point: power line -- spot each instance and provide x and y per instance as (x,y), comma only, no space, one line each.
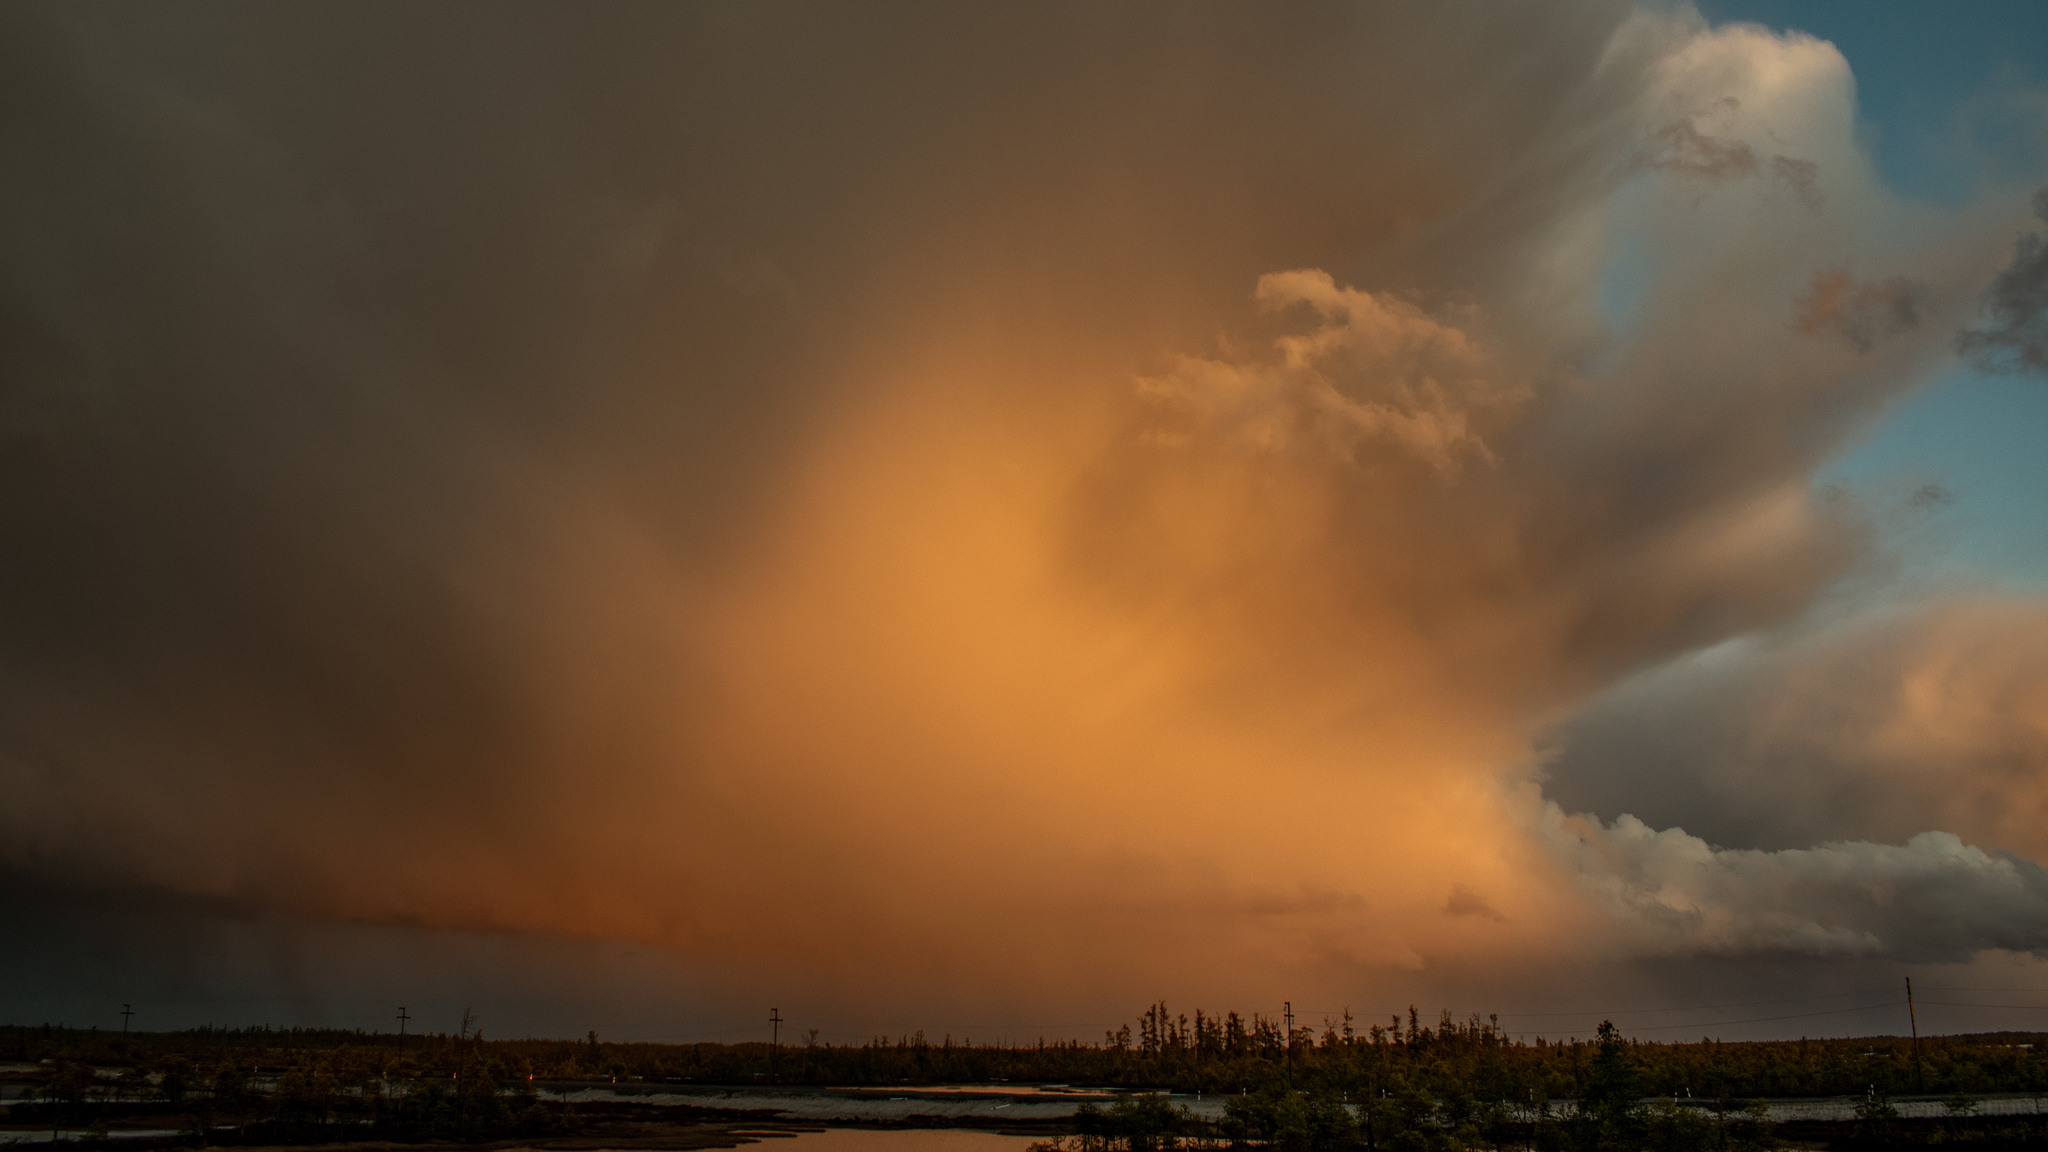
(1610,1012)
(682,1037)
(1694,1007)
(1750,1020)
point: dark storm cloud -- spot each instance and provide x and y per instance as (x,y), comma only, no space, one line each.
(299,308)
(384,387)
(77,953)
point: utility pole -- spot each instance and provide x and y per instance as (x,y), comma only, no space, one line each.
(402,1018)
(774,1038)
(127,1010)
(1287,1037)
(1918,1085)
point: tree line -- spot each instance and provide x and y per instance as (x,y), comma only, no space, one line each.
(1198,1053)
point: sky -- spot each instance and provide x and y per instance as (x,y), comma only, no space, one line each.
(977,520)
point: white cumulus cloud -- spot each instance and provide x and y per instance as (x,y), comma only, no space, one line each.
(1931,899)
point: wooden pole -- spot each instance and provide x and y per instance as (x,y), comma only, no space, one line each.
(1287,1037)
(1919,1085)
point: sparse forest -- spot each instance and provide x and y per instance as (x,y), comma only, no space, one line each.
(1214,1055)
(1402,1085)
